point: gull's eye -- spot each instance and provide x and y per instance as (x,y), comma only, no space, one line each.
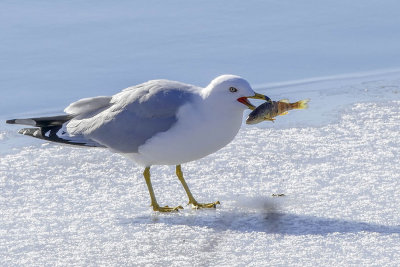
(232,89)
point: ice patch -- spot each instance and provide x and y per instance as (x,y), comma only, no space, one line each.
(331,95)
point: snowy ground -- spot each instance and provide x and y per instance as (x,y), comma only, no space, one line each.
(336,163)
(340,180)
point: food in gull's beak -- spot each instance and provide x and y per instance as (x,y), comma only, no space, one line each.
(269,110)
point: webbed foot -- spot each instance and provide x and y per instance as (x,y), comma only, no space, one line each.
(166,208)
(197,205)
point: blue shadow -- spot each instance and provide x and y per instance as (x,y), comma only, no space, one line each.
(268,222)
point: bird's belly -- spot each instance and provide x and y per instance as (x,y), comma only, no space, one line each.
(188,141)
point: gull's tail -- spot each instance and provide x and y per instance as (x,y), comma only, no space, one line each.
(53,129)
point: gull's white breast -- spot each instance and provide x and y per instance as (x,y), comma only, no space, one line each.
(199,131)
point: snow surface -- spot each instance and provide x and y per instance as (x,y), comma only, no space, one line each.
(62,205)
(336,163)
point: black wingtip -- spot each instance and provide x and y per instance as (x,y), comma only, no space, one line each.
(10,121)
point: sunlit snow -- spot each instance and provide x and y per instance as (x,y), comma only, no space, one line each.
(319,187)
(69,205)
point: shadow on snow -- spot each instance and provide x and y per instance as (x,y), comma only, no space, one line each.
(268,222)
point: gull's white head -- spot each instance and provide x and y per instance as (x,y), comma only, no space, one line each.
(231,90)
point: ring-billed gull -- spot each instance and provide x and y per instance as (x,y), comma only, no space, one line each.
(159,122)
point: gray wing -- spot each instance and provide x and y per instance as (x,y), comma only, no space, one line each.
(135,115)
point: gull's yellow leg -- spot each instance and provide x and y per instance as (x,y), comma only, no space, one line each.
(154,203)
(192,201)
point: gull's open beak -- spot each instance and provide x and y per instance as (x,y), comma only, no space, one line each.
(246,102)
(260,96)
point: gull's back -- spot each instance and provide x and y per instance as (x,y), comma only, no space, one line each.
(121,122)
(134,115)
